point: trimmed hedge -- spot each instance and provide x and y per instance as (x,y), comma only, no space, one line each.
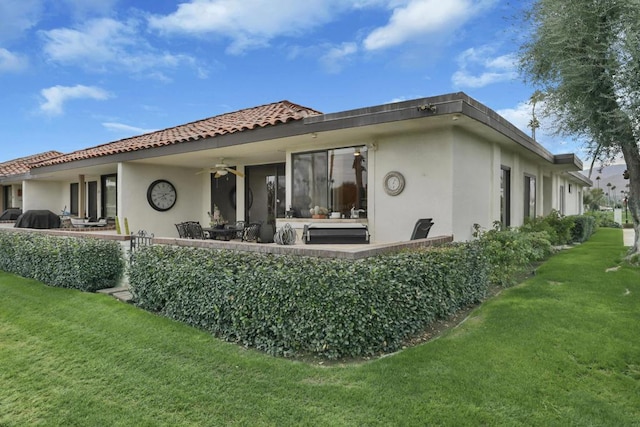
(584,227)
(287,306)
(67,262)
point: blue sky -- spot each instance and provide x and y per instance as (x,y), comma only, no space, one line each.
(79,73)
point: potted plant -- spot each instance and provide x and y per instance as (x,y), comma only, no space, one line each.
(319,212)
(216,218)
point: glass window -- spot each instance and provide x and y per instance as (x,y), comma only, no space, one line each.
(529,196)
(562,200)
(505,197)
(73,198)
(7,195)
(109,196)
(333,179)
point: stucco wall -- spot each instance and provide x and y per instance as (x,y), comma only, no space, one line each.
(192,203)
(476,185)
(42,195)
(425,161)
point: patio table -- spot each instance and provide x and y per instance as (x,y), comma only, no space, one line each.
(222,233)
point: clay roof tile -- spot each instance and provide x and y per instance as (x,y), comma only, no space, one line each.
(237,121)
(21,165)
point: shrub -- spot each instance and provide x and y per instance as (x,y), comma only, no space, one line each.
(557,226)
(511,251)
(584,227)
(287,305)
(603,219)
(68,262)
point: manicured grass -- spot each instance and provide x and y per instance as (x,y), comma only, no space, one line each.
(562,348)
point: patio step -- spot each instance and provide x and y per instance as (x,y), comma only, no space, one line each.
(121,293)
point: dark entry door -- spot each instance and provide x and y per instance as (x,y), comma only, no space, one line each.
(6,196)
(92,190)
(266,184)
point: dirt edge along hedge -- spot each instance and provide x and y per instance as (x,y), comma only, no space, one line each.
(68,262)
(293,306)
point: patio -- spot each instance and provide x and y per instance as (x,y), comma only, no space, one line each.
(346,251)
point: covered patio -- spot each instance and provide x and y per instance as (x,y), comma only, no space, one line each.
(345,251)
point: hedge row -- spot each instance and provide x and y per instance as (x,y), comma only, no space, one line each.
(288,306)
(584,227)
(67,262)
(512,250)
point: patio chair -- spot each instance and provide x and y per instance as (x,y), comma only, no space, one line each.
(195,231)
(239,225)
(421,229)
(251,232)
(183,233)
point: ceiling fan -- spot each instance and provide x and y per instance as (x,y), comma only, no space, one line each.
(221,169)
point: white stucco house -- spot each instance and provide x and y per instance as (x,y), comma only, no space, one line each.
(446,157)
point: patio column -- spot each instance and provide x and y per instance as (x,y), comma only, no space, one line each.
(82,198)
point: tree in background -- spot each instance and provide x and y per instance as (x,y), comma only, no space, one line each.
(593,198)
(584,55)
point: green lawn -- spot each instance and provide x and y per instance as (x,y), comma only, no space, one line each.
(562,349)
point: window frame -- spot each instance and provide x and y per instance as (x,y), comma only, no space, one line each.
(530,183)
(103,194)
(327,200)
(505,196)
(74,198)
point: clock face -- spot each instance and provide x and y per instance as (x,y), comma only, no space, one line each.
(161,195)
(393,183)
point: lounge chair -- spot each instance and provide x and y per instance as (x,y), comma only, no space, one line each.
(421,229)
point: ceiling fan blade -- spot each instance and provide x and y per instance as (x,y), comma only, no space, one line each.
(200,172)
(235,172)
(217,175)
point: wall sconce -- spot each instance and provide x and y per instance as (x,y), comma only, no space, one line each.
(427,107)
(455,117)
(314,135)
(357,152)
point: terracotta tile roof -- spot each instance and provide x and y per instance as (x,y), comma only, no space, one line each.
(228,123)
(21,166)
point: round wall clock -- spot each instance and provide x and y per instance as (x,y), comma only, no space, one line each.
(393,183)
(161,195)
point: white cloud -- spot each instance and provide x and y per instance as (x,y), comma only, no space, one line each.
(336,57)
(18,16)
(478,67)
(100,40)
(419,19)
(251,23)
(56,96)
(11,62)
(520,116)
(122,128)
(103,43)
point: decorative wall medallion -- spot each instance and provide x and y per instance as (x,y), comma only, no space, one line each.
(393,183)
